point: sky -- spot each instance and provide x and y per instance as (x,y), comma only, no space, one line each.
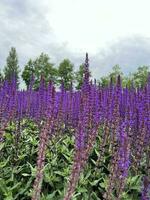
(111,31)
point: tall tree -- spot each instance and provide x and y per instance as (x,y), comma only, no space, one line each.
(104,81)
(11,70)
(28,72)
(116,71)
(140,76)
(41,66)
(79,76)
(127,80)
(65,73)
(1,76)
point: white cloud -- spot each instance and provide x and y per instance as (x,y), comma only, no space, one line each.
(93,24)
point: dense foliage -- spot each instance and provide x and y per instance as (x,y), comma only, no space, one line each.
(93,143)
(65,71)
(40,66)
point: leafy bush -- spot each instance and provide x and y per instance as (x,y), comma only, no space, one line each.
(18,168)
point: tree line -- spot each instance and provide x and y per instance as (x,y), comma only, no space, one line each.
(64,72)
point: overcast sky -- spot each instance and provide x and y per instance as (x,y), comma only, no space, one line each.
(111,31)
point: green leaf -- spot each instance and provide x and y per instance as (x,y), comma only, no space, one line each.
(15,186)
(3,164)
(95,182)
(134,182)
(88,174)
(82,190)
(77,194)
(25,174)
(102,185)
(94,196)
(93,161)
(1,146)
(33,169)
(50,196)
(97,153)
(3,187)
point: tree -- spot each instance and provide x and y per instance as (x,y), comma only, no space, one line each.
(138,79)
(41,66)
(65,73)
(1,77)
(140,76)
(79,76)
(104,81)
(11,70)
(116,71)
(28,72)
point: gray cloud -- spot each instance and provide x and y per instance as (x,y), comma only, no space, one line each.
(129,53)
(23,24)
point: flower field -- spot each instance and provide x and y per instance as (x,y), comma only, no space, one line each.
(90,144)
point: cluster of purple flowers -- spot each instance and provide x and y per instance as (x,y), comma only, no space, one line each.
(124,113)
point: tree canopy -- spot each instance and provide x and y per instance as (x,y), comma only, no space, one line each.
(65,73)
(41,66)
